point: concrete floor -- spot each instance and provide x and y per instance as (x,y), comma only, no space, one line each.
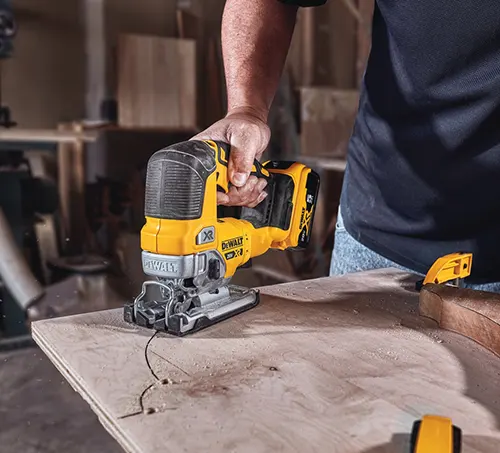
(40,412)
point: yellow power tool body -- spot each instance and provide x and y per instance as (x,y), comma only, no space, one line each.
(192,253)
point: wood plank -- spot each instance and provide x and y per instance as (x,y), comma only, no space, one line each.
(151,17)
(45,136)
(474,314)
(336,364)
(327,119)
(157,82)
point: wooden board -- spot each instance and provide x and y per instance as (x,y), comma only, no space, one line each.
(46,136)
(343,365)
(157,82)
(327,119)
(151,17)
(474,314)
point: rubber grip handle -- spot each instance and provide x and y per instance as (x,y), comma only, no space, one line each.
(179,182)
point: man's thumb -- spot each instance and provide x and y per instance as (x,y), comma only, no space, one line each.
(240,166)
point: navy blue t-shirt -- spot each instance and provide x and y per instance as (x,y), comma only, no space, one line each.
(423,173)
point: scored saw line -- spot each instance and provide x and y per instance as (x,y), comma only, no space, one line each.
(150,410)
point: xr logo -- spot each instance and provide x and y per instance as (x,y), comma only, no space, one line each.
(208,236)
(307,221)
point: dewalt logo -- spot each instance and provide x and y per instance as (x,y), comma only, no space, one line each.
(161,266)
(232,243)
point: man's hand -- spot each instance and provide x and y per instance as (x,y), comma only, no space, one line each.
(248,134)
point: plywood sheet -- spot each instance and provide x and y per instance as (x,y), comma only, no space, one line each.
(157,82)
(337,364)
(327,119)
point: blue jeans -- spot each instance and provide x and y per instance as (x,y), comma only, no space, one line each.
(351,256)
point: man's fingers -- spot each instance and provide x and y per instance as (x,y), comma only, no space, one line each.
(258,200)
(242,196)
(222,198)
(245,192)
(261,185)
(258,194)
(250,195)
(240,165)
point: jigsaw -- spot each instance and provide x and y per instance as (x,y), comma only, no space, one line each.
(190,253)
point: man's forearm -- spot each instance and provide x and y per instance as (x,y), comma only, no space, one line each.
(256,37)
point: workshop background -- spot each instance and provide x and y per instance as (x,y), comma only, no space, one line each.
(90,89)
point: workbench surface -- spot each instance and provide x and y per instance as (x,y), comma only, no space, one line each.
(338,365)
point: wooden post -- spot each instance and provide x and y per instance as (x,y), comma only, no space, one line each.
(71,182)
(308,53)
(95,45)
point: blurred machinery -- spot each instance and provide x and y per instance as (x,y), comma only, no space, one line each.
(8,30)
(23,199)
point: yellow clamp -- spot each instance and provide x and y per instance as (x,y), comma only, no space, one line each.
(454,266)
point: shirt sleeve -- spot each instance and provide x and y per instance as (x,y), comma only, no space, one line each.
(304,3)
